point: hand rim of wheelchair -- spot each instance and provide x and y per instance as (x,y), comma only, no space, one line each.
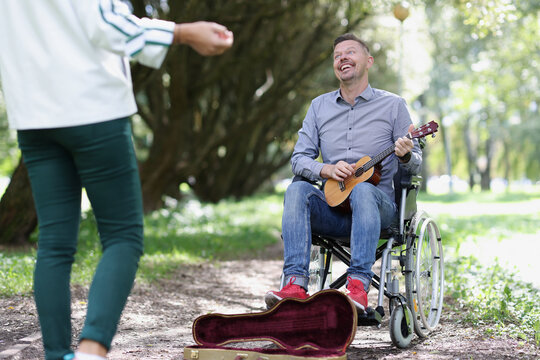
(425,292)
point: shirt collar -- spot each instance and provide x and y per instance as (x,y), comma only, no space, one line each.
(367,94)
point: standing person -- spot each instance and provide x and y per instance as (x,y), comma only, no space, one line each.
(66,79)
(343,126)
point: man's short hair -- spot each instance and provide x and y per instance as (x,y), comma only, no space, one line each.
(350,36)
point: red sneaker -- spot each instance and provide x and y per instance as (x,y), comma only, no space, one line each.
(289,291)
(357,294)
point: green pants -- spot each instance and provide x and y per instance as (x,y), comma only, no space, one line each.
(100,158)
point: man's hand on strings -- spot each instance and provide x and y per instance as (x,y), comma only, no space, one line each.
(404,145)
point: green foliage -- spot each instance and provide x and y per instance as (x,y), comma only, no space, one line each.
(17,272)
(487,16)
(484,85)
(236,116)
(494,227)
(195,231)
(175,235)
(480,197)
(493,297)
(88,251)
(489,296)
(463,217)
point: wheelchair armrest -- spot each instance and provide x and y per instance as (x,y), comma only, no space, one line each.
(408,180)
(416,181)
(312,182)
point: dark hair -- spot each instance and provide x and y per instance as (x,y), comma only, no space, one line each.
(350,36)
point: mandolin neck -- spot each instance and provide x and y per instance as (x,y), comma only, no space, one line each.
(377,159)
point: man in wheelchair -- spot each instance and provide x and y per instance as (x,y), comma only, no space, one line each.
(344,126)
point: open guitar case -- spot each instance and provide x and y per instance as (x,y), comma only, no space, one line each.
(317,328)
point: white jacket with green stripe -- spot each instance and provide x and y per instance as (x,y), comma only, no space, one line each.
(66,62)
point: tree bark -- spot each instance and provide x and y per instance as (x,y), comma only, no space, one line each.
(506,162)
(222,124)
(18,217)
(485,174)
(471,154)
(225,124)
(447,150)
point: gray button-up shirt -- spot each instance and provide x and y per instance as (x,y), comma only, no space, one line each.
(341,131)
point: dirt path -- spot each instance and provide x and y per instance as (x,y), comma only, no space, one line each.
(157,320)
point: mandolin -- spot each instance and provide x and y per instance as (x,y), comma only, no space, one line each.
(368,169)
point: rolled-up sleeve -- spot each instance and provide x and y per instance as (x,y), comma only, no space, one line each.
(306,150)
(109,24)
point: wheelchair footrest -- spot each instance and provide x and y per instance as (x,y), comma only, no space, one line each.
(370,318)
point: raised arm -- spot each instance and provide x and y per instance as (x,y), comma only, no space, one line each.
(110,25)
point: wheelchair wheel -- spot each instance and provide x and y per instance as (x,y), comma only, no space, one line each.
(316,270)
(401,326)
(424,275)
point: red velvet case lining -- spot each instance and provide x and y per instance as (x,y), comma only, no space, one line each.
(325,322)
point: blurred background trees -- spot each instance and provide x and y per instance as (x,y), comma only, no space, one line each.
(225,126)
(484,85)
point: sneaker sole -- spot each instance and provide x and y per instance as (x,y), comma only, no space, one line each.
(271,300)
(359,307)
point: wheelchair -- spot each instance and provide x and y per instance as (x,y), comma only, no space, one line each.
(411,249)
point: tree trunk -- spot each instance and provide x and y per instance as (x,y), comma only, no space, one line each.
(485,174)
(225,124)
(506,162)
(471,154)
(17,213)
(448,156)
(447,150)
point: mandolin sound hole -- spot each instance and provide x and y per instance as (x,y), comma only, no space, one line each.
(342,185)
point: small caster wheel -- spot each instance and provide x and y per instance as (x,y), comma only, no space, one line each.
(401,326)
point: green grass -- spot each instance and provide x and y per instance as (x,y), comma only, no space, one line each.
(192,232)
(490,295)
(177,234)
(458,230)
(484,197)
(17,269)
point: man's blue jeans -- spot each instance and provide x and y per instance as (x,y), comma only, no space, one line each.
(306,210)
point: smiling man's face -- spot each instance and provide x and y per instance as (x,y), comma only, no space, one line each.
(351,61)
